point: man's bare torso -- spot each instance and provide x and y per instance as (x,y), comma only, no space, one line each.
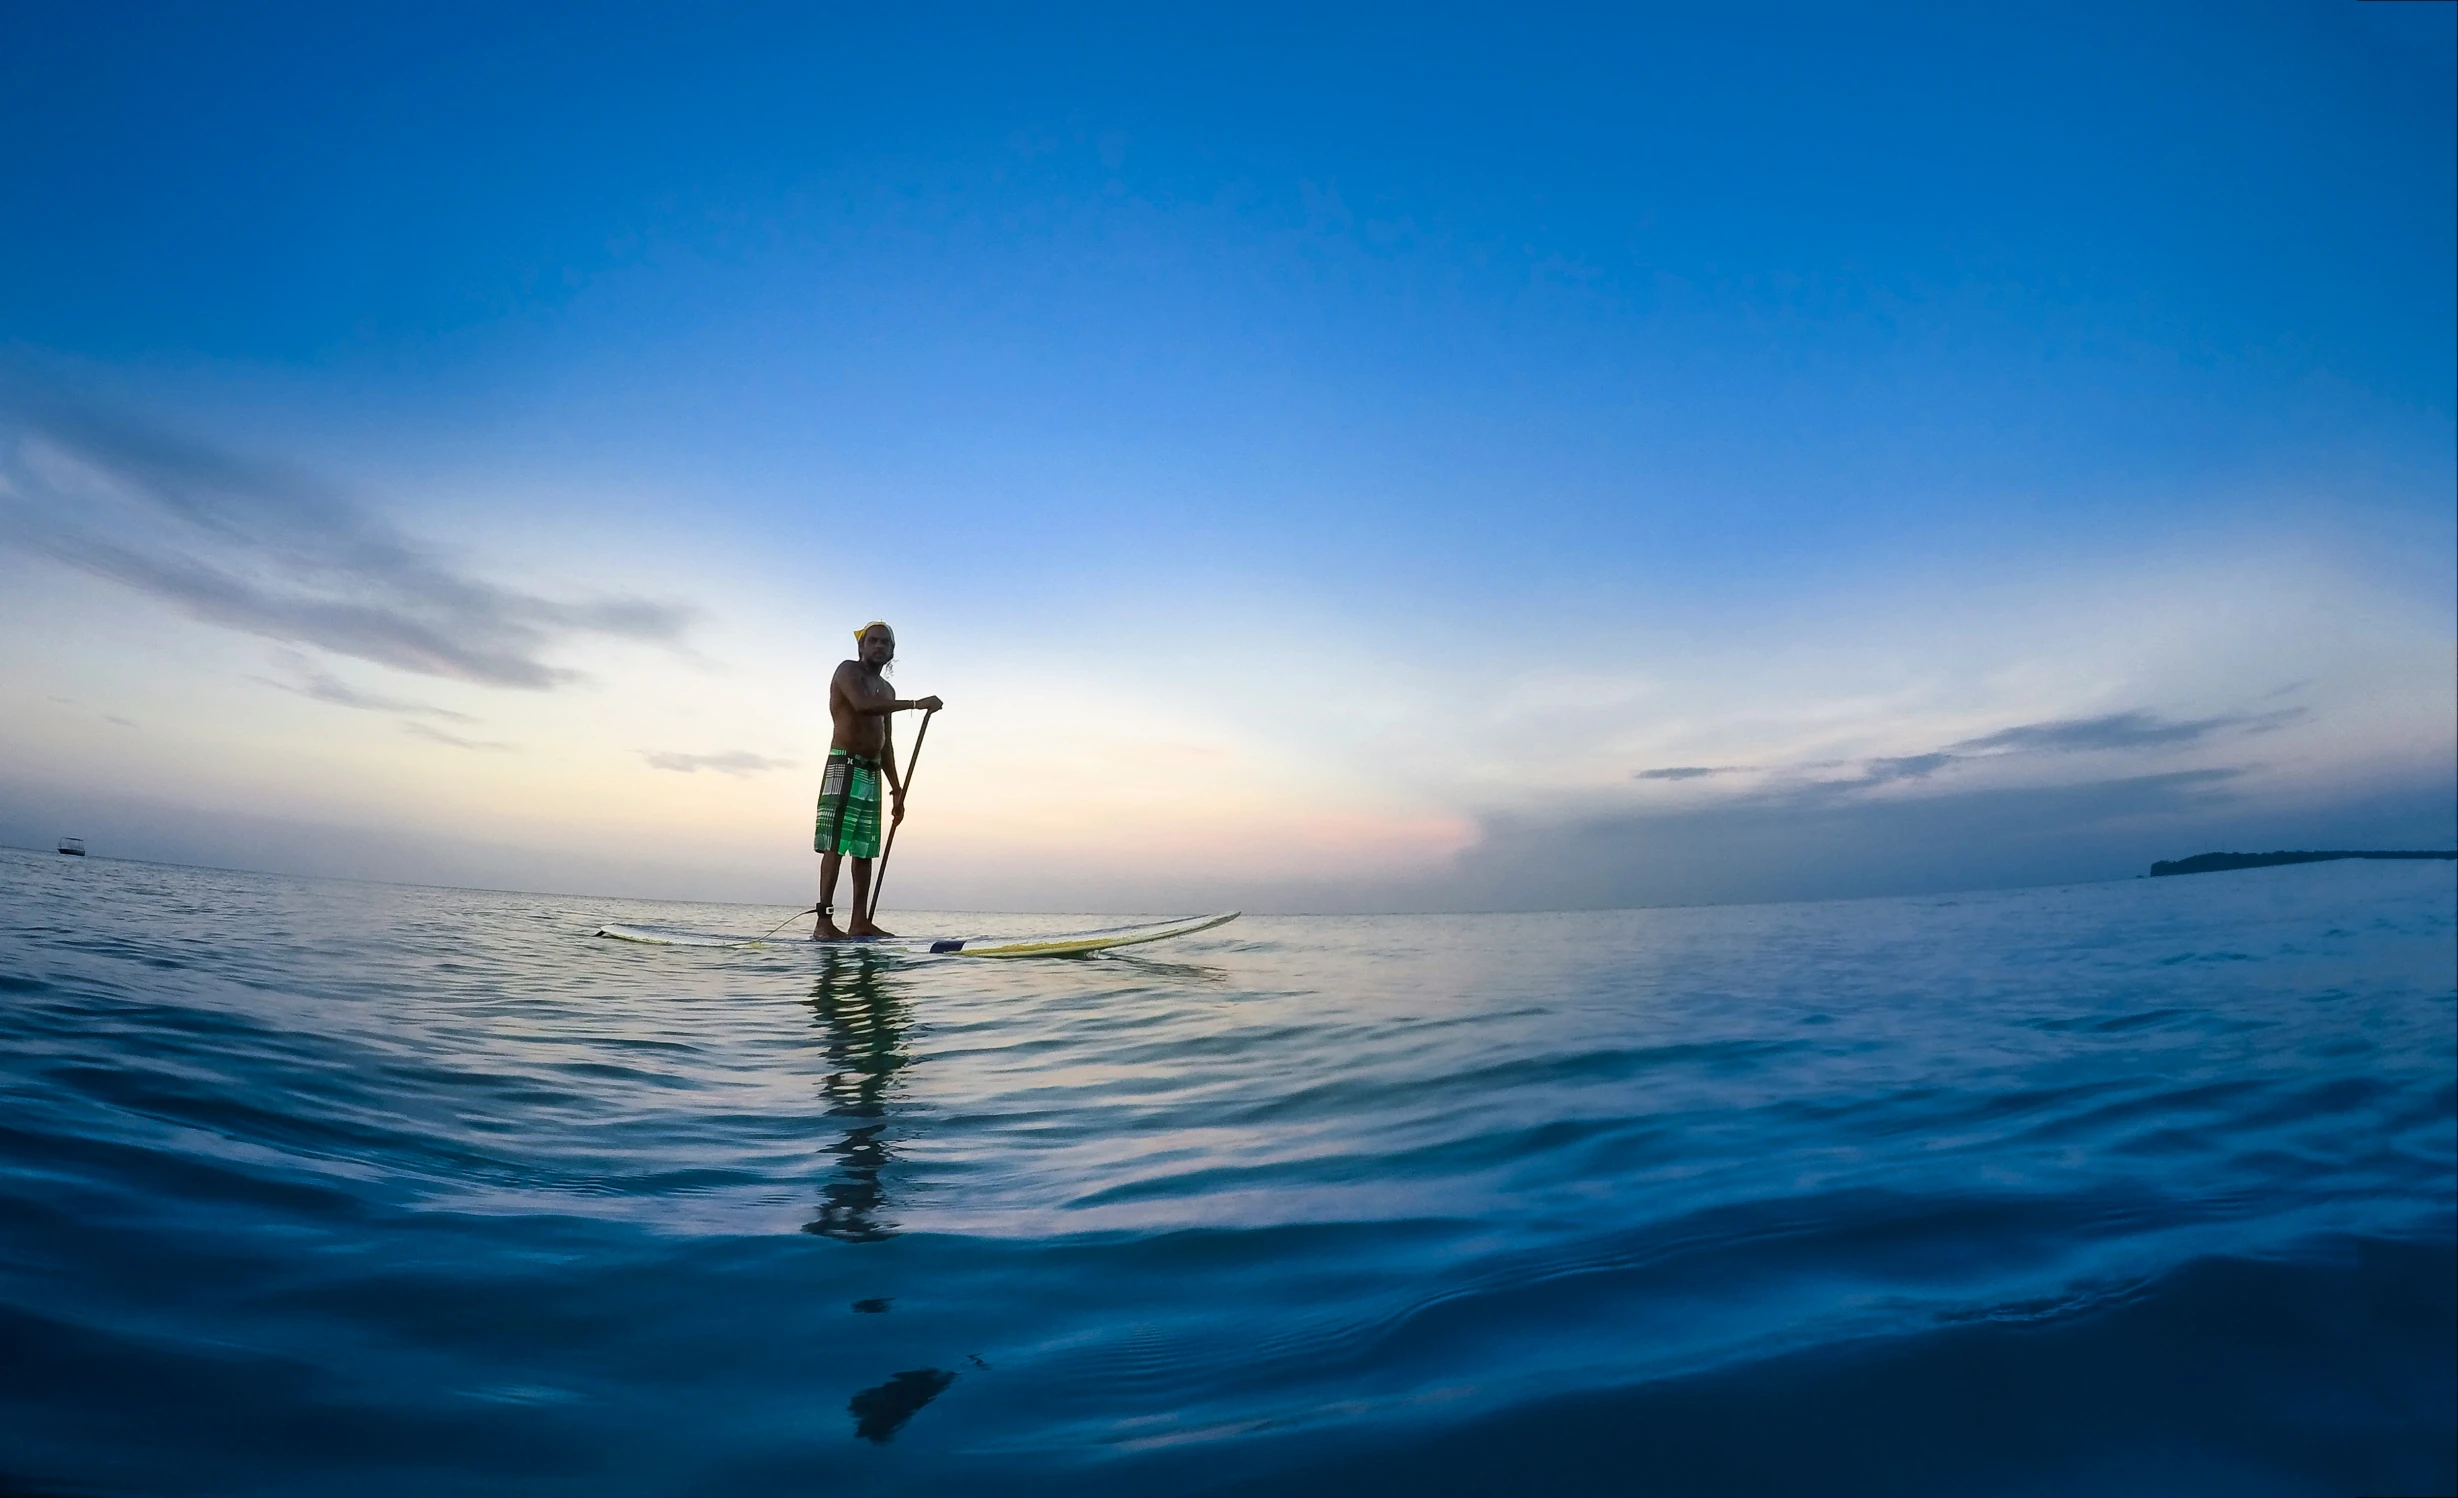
(856,686)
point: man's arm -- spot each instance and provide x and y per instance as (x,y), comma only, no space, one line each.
(887,767)
(845,690)
(899,705)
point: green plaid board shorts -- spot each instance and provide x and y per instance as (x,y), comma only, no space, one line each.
(848,806)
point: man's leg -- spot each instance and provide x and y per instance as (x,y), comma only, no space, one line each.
(824,928)
(861,925)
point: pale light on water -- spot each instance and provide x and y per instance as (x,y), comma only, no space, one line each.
(324,1187)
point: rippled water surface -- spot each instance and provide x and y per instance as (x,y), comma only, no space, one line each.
(316,1187)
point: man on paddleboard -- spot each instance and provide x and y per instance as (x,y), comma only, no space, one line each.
(862,752)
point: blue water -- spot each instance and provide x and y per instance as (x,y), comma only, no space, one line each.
(2140,1187)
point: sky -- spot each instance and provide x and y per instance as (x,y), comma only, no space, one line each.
(1328,458)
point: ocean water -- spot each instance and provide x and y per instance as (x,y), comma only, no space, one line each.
(2139,1187)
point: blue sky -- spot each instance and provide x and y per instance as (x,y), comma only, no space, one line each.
(1329,461)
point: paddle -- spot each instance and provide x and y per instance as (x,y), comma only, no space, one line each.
(879,879)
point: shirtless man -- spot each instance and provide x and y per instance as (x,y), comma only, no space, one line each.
(861,752)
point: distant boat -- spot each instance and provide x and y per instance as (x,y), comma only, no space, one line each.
(75,845)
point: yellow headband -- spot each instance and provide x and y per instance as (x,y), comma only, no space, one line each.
(867,628)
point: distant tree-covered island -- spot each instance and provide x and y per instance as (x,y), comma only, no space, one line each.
(2212,863)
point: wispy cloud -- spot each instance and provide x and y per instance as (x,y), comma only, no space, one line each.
(1904,767)
(726,762)
(2114,731)
(436,735)
(264,548)
(323,686)
(1873,773)
(2134,730)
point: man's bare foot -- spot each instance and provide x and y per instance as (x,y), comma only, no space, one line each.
(824,929)
(866,931)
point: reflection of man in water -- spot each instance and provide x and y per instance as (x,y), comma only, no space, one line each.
(863,1022)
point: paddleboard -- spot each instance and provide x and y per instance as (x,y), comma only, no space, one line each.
(1066,944)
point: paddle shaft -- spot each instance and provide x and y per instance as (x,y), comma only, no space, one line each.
(880,878)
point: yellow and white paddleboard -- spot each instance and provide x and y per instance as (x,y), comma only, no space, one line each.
(1066,944)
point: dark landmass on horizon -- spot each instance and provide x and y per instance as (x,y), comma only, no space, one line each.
(2213,863)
